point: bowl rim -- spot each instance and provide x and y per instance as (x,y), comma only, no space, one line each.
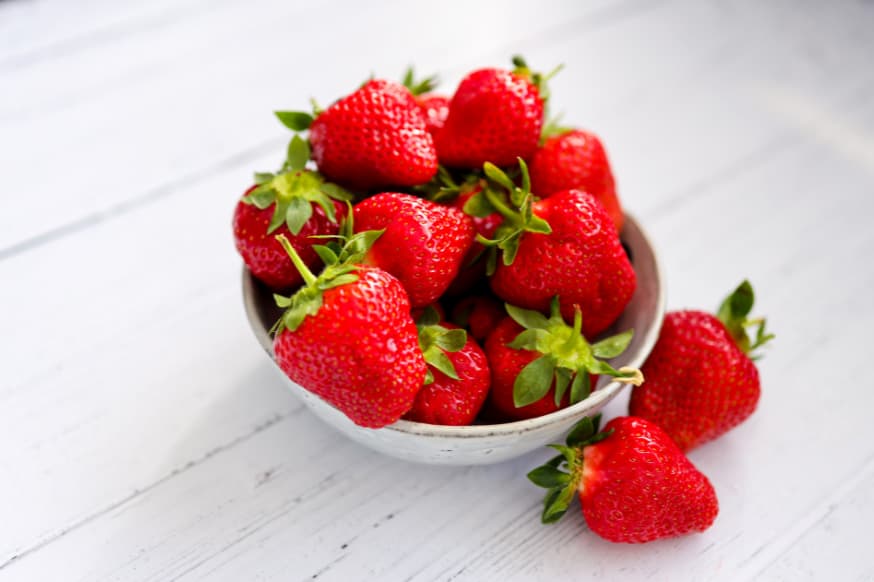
(515,427)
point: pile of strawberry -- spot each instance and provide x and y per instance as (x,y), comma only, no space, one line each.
(445,260)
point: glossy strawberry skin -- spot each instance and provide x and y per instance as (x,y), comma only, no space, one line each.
(699,383)
(582,261)
(423,245)
(454,402)
(506,363)
(473,267)
(495,116)
(637,486)
(360,351)
(375,137)
(576,160)
(481,314)
(436,109)
(264,255)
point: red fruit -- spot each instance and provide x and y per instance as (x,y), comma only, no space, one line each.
(633,483)
(452,400)
(576,160)
(264,255)
(436,109)
(569,249)
(296,203)
(348,337)
(374,137)
(700,383)
(417,312)
(495,116)
(540,365)
(423,245)
(480,314)
(473,267)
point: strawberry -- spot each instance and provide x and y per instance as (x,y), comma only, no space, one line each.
(473,267)
(296,203)
(436,110)
(701,381)
(495,116)
(348,337)
(372,138)
(634,484)
(423,243)
(480,314)
(458,376)
(534,360)
(564,245)
(576,159)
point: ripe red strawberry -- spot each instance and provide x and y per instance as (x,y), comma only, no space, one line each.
(700,380)
(458,379)
(296,203)
(495,116)
(480,314)
(473,267)
(373,138)
(576,160)
(564,245)
(436,110)
(534,360)
(633,483)
(423,244)
(348,337)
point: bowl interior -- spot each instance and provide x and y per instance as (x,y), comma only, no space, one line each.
(644,314)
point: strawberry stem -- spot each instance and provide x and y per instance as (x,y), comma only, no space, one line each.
(308,277)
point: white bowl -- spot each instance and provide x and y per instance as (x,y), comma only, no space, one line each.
(489,443)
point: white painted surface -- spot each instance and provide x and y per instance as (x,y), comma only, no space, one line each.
(145,436)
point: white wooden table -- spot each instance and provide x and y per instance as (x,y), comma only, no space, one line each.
(146,437)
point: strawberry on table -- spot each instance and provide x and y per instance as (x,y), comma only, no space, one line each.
(495,116)
(576,159)
(348,337)
(634,484)
(541,364)
(458,375)
(373,138)
(701,381)
(423,245)
(565,245)
(297,203)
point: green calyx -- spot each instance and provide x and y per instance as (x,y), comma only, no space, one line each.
(421,86)
(294,190)
(444,186)
(435,340)
(561,475)
(537,79)
(514,203)
(341,255)
(734,312)
(567,359)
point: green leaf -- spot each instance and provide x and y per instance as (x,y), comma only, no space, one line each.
(537,224)
(337,192)
(263,196)
(429,317)
(263,177)
(529,339)
(613,345)
(601,367)
(478,205)
(298,153)
(338,281)
(549,477)
(510,248)
(429,376)
(328,256)
(527,318)
(581,432)
(562,379)
(495,174)
(556,461)
(281,301)
(298,213)
(295,120)
(533,381)
(581,386)
(437,358)
(569,454)
(295,315)
(279,215)
(452,340)
(559,504)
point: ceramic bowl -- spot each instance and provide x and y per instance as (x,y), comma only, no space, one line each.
(489,443)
